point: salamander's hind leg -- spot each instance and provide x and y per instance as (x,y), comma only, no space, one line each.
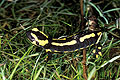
(97,51)
(49,56)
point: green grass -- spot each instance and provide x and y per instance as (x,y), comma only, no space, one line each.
(20,60)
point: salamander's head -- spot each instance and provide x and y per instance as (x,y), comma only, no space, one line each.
(37,37)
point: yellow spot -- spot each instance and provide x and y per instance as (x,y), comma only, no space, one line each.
(87,37)
(94,51)
(59,39)
(96,56)
(66,43)
(99,33)
(41,42)
(99,47)
(100,53)
(48,50)
(35,29)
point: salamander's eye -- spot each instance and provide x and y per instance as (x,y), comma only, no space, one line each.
(30,36)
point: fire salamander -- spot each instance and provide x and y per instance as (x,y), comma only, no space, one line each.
(67,44)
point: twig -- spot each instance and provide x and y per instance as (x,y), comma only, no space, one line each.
(84,50)
(82,14)
(84,64)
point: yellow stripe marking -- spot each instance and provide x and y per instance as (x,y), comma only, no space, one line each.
(94,51)
(99,47)
(59,39)
(43,34)
(56,51)
(41,42)
(48,50)
(99,33)
(76,49)
(35,29)
(66,43)
(96,56)
(100,53)
(87,37)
